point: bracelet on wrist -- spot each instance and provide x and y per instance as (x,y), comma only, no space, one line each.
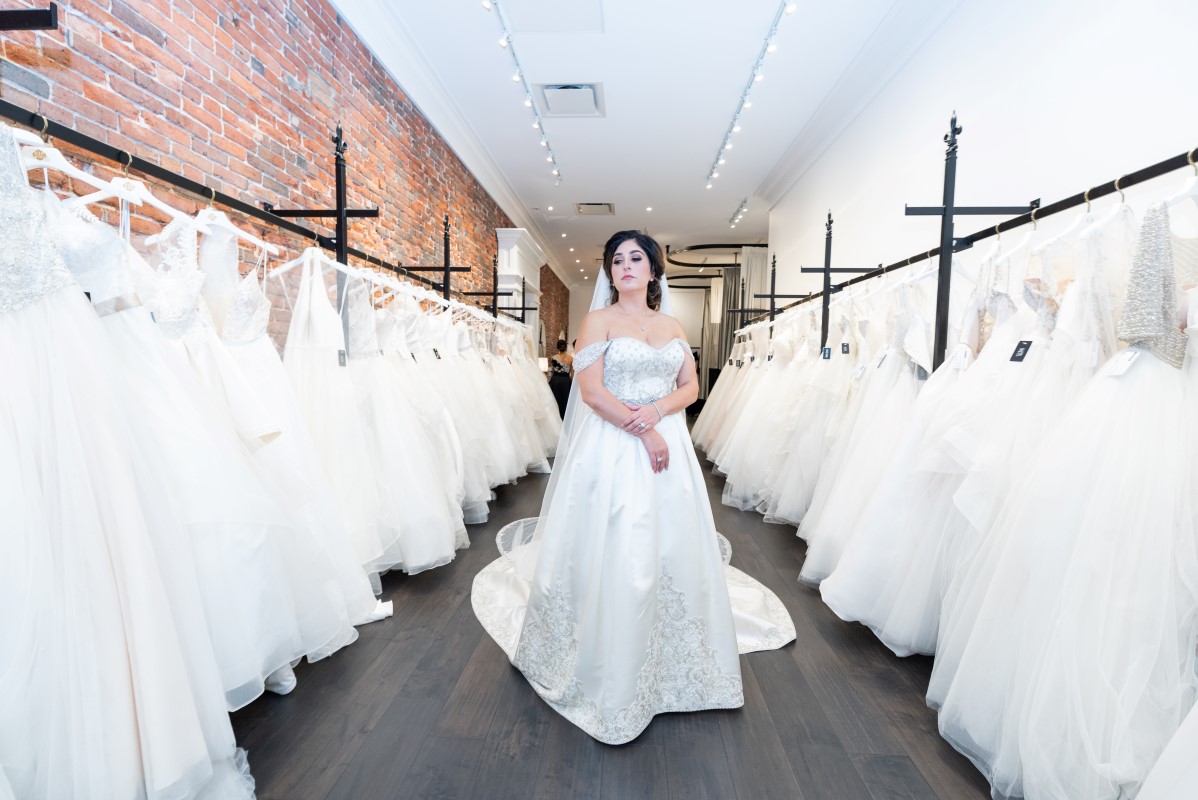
(660,416)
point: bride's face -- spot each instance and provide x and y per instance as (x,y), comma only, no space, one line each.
(630,268)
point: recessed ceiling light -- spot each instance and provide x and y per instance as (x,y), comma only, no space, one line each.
(649,208)
(563,236)
(578,261)
(571,249)
(709,186)
(586,277)
(550,208)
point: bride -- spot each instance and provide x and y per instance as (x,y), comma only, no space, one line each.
(617,602)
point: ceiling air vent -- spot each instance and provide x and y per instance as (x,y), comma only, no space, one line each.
(573,100)
(594,209)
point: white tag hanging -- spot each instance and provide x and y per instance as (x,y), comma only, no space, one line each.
(1121,362)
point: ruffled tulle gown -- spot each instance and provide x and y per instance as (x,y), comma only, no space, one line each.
(617,604)
(290,459)
(109,689)
(1071,655)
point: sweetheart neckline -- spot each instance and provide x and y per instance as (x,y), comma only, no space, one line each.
(646,344)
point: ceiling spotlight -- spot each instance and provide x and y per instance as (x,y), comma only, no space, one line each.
(649,208)
(771,48)
(537,124)
(728,145)
(544,142)
(709,186)
(758,77)
(516,77)
(723,160)
(555,170)
(578,261)
(586,277)
(733,225)
(487,5)
(715,174)
(736,128)
(791,7)
(558,182)
(550,208)
(503,41)
(528,101)
(549,158)
(747,104)
(563,236)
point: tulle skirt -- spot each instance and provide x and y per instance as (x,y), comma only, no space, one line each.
(291,461)
(108,684)
(1066,661)
(887,398)
(269,595)
(419,514)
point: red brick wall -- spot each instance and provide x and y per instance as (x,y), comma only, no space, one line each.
(243,96)
(555,308)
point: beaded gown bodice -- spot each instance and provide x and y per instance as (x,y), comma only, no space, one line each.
(248,314)
(30,265)
(635,372)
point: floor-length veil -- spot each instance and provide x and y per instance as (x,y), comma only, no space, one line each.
(520,541)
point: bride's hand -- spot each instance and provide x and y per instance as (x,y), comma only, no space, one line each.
(642,420)
(659,453)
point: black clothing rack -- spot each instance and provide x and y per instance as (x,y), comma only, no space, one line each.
(340,240)
(445,269)
(494,294)
(1032,213)
(49,128)
(829,289)
(30,19)
(773,295)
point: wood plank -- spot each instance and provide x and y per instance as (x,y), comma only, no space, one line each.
(471,706)
(760,767)
(636,769)
(572,763)
(893,778)
(380,768)
(444,769)
(511,755)
(696,760)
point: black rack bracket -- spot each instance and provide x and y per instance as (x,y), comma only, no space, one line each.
(30,19)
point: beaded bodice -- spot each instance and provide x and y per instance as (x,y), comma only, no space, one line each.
(30,265)
(635,372)
(1149,312)
(93,252)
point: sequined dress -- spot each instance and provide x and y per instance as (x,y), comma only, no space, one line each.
(626,607)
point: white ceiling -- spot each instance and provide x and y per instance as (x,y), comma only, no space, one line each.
(672,74)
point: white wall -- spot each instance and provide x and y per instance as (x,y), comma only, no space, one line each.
(1054,96)
(688,308)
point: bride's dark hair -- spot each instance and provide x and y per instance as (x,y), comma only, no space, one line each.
(657,266)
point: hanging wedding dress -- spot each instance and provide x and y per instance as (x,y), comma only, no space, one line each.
(291,458)
(108,685)
(712,414)
(1079,664)
(887,399)
(317,366)
(617,603)
(418,504)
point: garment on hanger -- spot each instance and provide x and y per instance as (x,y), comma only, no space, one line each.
(107,678)
(290,460)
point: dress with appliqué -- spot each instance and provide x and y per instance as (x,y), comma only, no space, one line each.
(618,603)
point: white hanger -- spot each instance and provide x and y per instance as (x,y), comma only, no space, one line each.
(213,219)
(131,191)
(1183,216)
(320,257)
(40,155)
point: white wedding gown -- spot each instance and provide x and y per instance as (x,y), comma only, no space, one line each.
(617,604)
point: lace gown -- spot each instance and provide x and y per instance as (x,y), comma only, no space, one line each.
(625,607)
(108,686)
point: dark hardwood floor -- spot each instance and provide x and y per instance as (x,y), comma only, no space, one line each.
(425,705)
